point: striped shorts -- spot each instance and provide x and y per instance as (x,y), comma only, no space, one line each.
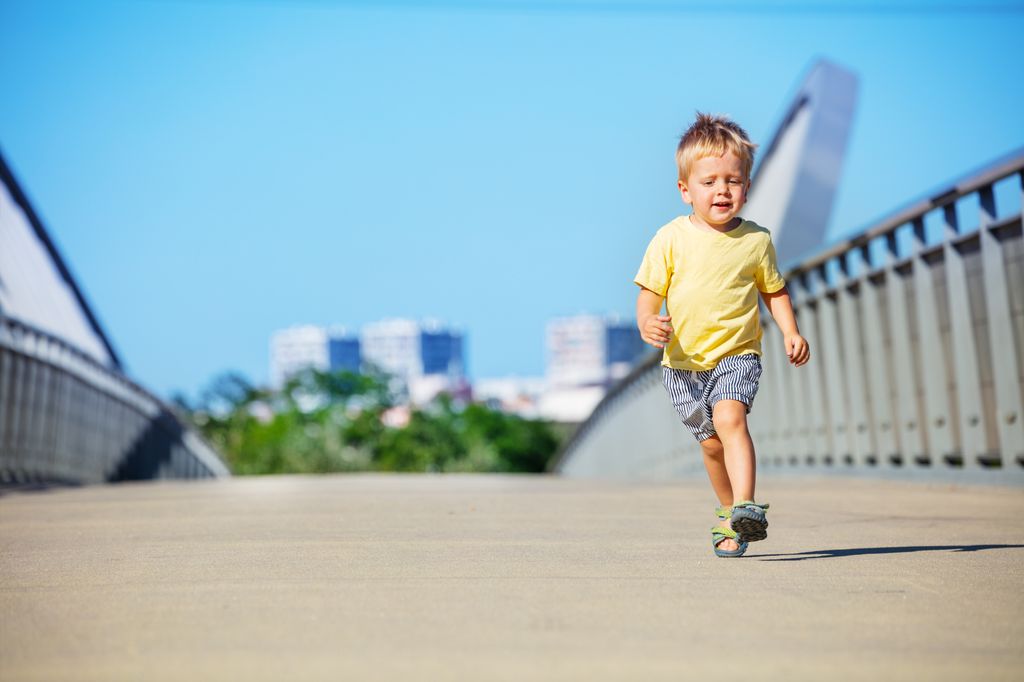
(694,394)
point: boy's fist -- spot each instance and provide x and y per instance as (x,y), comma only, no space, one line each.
(797,349)
(656,330)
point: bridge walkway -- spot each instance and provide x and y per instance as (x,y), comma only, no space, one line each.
(507,578)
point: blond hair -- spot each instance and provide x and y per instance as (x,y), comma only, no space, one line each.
(714,136)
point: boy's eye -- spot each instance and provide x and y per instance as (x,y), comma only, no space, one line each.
(734,182)
(708,183)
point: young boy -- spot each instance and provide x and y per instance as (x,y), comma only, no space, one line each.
(710,265)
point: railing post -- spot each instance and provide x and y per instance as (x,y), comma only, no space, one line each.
(834,353)
(48,406)
(22,406)
(787,420)
(822,432)
(972,439)
(774,412)
(62,444)
(852,332)
(879,360)
(802,424)
(934,376)
(908,412)
(787,403)
(1004,351)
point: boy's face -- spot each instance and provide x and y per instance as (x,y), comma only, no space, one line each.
(717,190)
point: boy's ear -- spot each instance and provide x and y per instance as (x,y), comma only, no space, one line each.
(685,193)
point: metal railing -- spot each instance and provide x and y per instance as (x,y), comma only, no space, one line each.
(66,418)
(917,330)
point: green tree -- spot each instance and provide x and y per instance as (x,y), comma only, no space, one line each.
(322,422)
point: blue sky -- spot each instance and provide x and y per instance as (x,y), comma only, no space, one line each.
(215,170)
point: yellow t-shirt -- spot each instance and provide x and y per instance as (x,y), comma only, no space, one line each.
(711,280)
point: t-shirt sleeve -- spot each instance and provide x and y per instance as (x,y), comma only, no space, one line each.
(768,278)
(655,271)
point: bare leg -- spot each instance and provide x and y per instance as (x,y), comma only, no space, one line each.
(714,463)
(730,417)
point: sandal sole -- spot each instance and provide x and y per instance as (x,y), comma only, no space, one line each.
(737,555)
(750,526)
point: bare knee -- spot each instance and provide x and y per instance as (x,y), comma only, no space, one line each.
(712,448)
(730,417)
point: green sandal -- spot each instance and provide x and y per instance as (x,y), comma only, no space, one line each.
(749,520)
(719,534)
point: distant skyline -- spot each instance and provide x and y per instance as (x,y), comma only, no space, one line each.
(213,171)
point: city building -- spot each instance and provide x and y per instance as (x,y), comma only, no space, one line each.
(295,349)
(424,358)
(590,350)
(623,347)
(343,350)
(309,346)
(586,354)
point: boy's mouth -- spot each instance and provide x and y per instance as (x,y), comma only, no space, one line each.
(722,204)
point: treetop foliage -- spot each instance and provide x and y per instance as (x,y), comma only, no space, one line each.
(321,422)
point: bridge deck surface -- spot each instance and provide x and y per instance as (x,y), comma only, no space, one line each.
(506,578)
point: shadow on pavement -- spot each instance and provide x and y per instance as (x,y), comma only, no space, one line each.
(35,487)
(832,553)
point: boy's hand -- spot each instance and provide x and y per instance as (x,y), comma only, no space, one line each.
(797,349)
(656,330)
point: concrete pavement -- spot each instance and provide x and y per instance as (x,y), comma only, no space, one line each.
(507,578)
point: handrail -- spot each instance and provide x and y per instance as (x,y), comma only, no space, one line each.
(965,185)
(24,345)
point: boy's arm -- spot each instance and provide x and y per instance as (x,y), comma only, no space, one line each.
(781,308)
(654,328)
